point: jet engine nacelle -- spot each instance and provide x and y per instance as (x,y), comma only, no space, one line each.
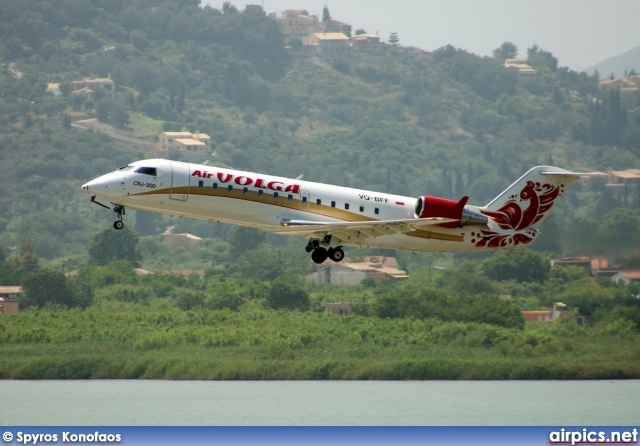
(430,207)
(434,207)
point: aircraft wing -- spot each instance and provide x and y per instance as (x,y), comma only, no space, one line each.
(360,230)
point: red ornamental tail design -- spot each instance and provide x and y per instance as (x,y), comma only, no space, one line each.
(546,200)
(517,215)
(528,216)
(507,214)
(512,216)
(491,239)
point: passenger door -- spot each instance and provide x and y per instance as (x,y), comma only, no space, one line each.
(180,181)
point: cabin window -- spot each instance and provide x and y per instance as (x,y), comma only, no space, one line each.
(215,185)
(377,211)
(147,171)
(260,193)
(333,204)
(290,197)
(275,195)
(230,187)
(304,199)
(361,208)
(346,206)
(200,183)
(245,190)
(318,202)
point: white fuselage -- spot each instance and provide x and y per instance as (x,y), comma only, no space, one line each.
(265,201)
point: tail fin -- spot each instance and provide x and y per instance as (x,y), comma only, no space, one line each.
(527,201)
(524,204)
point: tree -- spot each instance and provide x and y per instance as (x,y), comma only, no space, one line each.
(189,299)
(28,121)
(435,304)
(293,127)
(507,50)
(586,296)
(341,65)
(228,8)
(250,116)
(580,238)
(119,115)
(229,300)
(103,106)
(148,223)
(490,309)
(523,265)
(605,203)
(24,263)
(48,286)
(66,121)
(326,16)
(394,41)
(8,273)
(243,239)
(539,59)
(551,236)
(295,43)
(110,245)
(118,272)
(288,293)
(608,120)
(423,304)
(180,99)
(466,281)
(620,231)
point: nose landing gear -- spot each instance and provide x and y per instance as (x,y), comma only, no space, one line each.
(119,210)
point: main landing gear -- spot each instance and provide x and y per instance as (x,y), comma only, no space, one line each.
(320,254)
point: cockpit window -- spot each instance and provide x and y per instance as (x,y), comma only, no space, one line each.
(147,171)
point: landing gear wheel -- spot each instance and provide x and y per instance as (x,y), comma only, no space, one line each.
(119,210)
(336,254)
(319,255)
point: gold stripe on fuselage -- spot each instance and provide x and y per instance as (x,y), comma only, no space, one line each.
(295,204)
(267,198)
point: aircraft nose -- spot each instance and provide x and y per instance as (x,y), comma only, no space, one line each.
(92,186)
(100,185)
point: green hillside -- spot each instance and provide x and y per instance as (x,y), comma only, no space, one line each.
(446,123)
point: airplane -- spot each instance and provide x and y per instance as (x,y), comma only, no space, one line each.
(333,216)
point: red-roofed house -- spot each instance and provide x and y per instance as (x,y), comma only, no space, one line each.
(627,277)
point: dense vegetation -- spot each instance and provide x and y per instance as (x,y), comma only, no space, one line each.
(447,123)
(119,342)
(231,325)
